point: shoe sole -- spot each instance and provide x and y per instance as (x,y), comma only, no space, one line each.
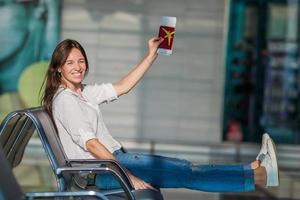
(274,177)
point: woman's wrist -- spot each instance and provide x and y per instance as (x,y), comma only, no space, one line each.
(150,57)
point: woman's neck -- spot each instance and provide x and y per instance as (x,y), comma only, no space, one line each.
(75,88)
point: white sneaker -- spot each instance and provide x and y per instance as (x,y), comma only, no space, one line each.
(263,150)
(270,163)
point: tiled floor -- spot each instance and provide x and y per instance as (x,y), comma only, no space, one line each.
(289,190)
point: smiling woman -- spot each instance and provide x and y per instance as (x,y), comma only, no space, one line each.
(74,107)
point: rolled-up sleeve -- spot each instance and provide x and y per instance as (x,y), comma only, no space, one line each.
(98,94)
(75,120)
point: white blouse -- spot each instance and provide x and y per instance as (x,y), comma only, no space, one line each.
(79,119)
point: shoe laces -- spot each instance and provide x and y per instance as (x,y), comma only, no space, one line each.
(261,157)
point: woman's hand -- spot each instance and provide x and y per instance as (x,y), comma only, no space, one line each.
(153,44)
(139,184)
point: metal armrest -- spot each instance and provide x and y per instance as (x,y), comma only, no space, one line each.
(34,195)
(102,163)
(97,162)
(124,182)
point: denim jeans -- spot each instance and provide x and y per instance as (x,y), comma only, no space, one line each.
(165,172)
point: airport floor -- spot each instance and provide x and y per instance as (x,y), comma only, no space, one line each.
(289,189)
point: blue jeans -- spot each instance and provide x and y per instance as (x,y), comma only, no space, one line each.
(165,172)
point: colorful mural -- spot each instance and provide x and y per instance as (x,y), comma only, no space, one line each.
(29,33)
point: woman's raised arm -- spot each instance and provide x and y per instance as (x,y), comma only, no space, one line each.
(124,85)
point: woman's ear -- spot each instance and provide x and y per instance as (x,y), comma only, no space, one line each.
(59,70)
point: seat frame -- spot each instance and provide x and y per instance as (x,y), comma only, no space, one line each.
(18,127)
(10,188)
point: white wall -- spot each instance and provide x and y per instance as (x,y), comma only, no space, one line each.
(180,98)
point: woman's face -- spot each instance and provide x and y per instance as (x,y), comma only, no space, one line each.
(73,71)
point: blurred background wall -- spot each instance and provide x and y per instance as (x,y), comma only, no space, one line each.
(234,73)
(180,98)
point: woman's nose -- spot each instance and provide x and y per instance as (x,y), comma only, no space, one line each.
(77,66)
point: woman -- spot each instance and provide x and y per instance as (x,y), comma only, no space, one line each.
(75,110)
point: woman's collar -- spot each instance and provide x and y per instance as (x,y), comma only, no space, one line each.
(62,87)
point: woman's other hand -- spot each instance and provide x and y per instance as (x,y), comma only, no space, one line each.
(140,184)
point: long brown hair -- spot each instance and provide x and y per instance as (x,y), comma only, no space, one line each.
(53,76)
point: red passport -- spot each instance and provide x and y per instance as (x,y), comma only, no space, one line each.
(168,34)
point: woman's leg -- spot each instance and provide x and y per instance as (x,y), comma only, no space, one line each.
(164,172)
